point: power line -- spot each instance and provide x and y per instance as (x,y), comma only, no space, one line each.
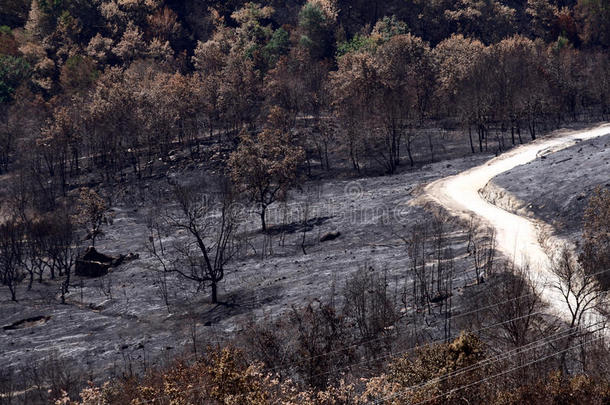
(292,368)
(395,354)
(356,345)
(539,343)
(495,359)
(509,371)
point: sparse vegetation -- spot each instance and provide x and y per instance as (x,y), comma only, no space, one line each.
(274,154)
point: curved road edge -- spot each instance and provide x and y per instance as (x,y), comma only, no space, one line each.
(517,237)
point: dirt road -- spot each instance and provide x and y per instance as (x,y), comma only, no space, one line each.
(517,237)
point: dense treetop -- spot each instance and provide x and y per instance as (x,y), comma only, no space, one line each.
(123,79)
(46,36)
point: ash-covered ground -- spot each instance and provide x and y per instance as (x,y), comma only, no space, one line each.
(120,324)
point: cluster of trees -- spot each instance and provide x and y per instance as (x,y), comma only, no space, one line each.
(118,85)
(101,90)
(42,246)
(112,87)
(385,89)
(464,369)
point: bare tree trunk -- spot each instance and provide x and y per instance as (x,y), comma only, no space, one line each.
(409,152)
(214,292)
(263,220)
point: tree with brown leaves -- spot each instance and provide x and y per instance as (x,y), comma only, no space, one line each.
(266,167)
(92,209)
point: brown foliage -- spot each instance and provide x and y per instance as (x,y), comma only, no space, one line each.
(220,377)
(91,211)
(164,25)
(595,20)
(8,44)
(558,390)
(432,375)
(382,96)
(266,167)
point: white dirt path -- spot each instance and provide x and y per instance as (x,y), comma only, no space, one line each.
(517,237)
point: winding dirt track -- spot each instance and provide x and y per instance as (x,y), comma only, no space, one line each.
(517,237)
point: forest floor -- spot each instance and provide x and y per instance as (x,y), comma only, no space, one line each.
(119,324)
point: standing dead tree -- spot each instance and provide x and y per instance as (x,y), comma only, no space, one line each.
(482,247)
(63,249)
(417,250)
(35,246)
(319,338)
(370,306)
(210,243)
(431,261)
(11,251)
(51,242)
(580,290)
(519,306)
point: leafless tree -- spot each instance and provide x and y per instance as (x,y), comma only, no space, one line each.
(519,302)
(580,290)
(156,247)
(8,386)
(34,250)
(163,288)
(269,340)
(481,246)
(191,328)
(11,255)
(63,249)
(320,335)
(305,225)
(370,305)
(416,244)
(210,243)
